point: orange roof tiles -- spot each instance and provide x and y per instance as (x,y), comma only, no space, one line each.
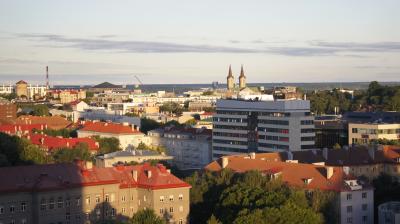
(53,143)
(54,122)
(66,176)
(293,174)
(106,127)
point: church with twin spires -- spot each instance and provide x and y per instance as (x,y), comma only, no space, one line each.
(230,80)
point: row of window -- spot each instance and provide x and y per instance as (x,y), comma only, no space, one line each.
(307,130)
(307,146)
(274,114)
(274,122)
(13,208)
(375,131)
(171,210)
(307,122)
(225,149)
(224,134)
(308,138)
(349,208)
(273,146)
(232,120)
(274,138)
(232,112)
(349,196)
(216,126)
(171,198)
(230,142)
(274,130)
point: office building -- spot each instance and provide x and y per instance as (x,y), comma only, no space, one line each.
(243,126)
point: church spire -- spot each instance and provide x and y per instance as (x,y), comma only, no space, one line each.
(242,79)
(230,72)
(242,72)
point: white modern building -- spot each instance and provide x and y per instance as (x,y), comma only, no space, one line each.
(6,89)
(244,126)
(190,147)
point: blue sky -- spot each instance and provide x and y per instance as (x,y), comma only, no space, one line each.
(179,41)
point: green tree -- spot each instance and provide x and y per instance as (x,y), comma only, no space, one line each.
(107,145)
(66,155)
(213,220)
(146,217)
(40,110)
(147,124)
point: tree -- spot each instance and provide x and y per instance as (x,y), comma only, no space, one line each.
(147,124)
(107,145)
(191,122)
(172,108)
(40,110)
(213,220)
(146,217)
(65,155)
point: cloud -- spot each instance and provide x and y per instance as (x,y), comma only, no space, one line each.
(311,48)
(359,47)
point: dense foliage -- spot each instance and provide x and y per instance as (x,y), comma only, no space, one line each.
(107,145)
(65,155)
(146,217)
(172,108)
(252,198)
(64,132)
(386,189)
(19,151)
(147,124)
(375,98)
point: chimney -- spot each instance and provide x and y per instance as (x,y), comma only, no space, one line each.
(225,162)
(252,155)
(89,165)
(329,172)
(371,152)
(325,153)
(134,175)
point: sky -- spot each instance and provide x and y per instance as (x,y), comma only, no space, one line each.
(184,41)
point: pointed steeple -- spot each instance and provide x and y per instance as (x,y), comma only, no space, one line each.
(230,72)
(242,79)
(242,72)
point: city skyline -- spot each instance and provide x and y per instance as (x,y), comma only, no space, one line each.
(195,42)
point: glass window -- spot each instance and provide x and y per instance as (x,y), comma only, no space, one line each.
(51,203)
(43,204)
(23,206)
(12,208)
(349,209)
(97,198)
(364,195)
(171,209)
(161,198)
(181,197)
(348,196)
(60,202)
(171,198)
(87,200)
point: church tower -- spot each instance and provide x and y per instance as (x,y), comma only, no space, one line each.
(230,80)
(242,79)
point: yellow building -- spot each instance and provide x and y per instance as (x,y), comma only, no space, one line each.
(364,133)
(82,194)
(242,79)
(230,80)
(21,88)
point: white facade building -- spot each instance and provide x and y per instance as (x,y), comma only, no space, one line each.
(191,148)
(38,90)
(6,89)
(243,126)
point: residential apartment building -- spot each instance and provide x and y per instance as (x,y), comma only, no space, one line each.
(68,96)
(6,89)
(81,193)
(128,156)
(8,110)
(243,126)
(365,133)
(189,147)
(389,212)
(129,136)
(354,198)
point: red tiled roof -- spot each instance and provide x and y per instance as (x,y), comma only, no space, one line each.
(53,143)
(66,176)
(293,174)
(106,127)
(21,128)
(54,122)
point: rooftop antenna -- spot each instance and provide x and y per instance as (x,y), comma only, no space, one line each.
(47,77)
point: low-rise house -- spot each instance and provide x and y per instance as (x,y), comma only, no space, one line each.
(128,135)
(82,193)
(128,156)
(21,129)
(354,197)
(54,122)
(51,143)
(190,147)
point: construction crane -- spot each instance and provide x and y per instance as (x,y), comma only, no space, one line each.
(137,85)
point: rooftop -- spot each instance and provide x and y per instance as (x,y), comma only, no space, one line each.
(108,127)
(75,175)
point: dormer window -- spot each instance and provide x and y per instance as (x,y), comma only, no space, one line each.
(307,180)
